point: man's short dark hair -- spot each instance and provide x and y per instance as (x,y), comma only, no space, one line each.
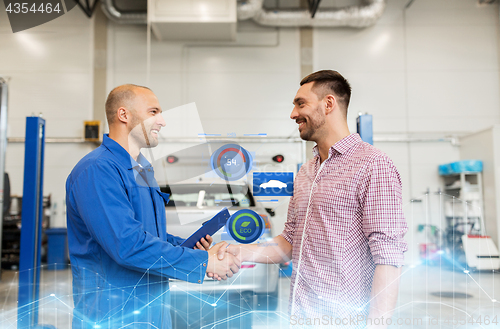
(121,96)
(330,82)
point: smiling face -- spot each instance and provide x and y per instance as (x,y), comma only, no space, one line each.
(308,112)
(146,119)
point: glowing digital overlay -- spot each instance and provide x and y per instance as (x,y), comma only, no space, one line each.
(245,226)
(273,183)
(435,265)
(431,274)
(231,162)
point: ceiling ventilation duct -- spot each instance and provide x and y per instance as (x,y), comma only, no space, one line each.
(353,16)
(195,20)
(250,8)
(128,17)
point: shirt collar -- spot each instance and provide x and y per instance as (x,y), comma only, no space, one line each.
(122,154)
(141,163)
(342,145)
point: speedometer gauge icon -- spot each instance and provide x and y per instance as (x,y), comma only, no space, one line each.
(231,162)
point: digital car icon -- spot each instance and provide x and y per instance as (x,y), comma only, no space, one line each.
(273,183)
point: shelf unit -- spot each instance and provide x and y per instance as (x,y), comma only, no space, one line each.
(11,234)
(464,211)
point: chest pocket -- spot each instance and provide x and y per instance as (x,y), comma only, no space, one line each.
(164,196)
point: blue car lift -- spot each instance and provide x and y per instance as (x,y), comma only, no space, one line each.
(31,229)
(364,127)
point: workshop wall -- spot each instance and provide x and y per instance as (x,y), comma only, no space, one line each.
(246,87)
(50,69)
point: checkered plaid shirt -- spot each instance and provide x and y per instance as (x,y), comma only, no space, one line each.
(344,218)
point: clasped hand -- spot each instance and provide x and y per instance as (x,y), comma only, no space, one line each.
(224,253)
(220,266)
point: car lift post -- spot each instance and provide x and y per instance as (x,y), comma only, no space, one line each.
(31,229)
(364,125)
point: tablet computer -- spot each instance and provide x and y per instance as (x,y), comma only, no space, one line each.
(210,227)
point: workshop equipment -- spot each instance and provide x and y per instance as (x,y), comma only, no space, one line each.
(31,229)
(481,252)
(92,131)
(465,236)
(364,127)
(57,248)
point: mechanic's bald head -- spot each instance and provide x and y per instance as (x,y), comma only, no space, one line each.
(121,96)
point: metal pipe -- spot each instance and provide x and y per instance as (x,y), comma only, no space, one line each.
(353,16)
(453,140)
(63,140)
(248,9)
(109,9)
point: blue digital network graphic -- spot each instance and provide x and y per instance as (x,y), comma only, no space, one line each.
(231,162)
(245,226)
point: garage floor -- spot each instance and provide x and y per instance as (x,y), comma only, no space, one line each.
(430,297)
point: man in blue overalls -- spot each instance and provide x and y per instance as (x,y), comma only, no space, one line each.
(121,253)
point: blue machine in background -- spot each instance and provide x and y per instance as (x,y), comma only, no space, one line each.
(364,127)
(31,230)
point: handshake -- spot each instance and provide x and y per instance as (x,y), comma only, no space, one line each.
(223,260)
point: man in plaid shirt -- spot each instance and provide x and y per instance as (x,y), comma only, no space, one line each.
(345,225)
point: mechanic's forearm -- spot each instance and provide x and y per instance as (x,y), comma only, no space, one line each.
(278,250)
(384,295)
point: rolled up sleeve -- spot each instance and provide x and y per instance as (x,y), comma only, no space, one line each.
(384,224)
